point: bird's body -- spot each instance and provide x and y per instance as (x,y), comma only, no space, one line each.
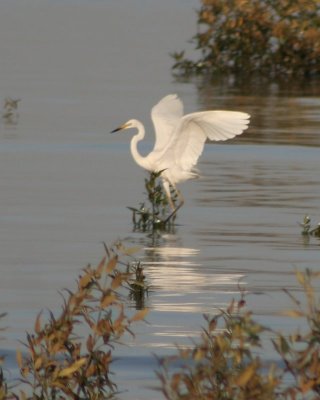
(180,138)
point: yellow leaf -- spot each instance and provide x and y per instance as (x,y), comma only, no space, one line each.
(99,268)
(73,368)
(107,300)
(92,370)
(38,363)
(301,278)
(23,396)
(112,264)
(129,251)
(85,280)
(222,343)
(19,359)
(199,354)
(292,313)
(246,375)
(140,315)
(57,384)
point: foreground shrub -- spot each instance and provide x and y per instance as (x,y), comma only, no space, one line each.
(272,38)
(3,384)
(225,363)
(68,356)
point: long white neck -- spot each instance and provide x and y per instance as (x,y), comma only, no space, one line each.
(139,159)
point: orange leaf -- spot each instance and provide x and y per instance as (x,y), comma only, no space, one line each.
(306,385)
(37,324)
(292,313)
(99,268)
(175,381)
(246,375)
(38,363)
(117,281)
(107,300)
(212,324)
(73,368)
(19,359)
(90,343)
(112,264)
(140,315)
(85,280)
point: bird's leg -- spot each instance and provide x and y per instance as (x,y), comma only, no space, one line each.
(171,203)
(166,186)
(175,209)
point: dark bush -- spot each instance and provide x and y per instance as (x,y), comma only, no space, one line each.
(270,37)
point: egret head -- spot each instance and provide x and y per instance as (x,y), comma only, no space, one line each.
(126,125)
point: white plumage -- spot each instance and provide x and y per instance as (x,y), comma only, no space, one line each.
(180,139)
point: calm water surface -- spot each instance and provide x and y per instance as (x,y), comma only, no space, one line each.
(83,67)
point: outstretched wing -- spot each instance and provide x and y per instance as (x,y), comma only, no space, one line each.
(166,116)
(196,128)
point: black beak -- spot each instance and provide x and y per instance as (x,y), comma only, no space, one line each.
(116,130)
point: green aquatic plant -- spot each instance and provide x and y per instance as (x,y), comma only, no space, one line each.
(155,212)
(307,229)
(270,38)
(10,113)
(138,286)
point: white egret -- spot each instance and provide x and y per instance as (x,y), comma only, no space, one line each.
(180,140)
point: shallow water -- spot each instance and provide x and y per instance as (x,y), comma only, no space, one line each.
(65,182)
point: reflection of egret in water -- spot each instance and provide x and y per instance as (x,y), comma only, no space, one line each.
(182,290)
(177,277)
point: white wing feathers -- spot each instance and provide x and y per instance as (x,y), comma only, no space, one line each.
(217,125)
(180,139)
(166,116)
(194,129)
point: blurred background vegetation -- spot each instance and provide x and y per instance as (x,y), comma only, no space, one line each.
(274,38)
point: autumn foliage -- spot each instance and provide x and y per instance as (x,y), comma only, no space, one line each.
(270,37)
(69,354)
(229,360)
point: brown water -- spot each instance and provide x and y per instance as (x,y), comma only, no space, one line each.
(83,67)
